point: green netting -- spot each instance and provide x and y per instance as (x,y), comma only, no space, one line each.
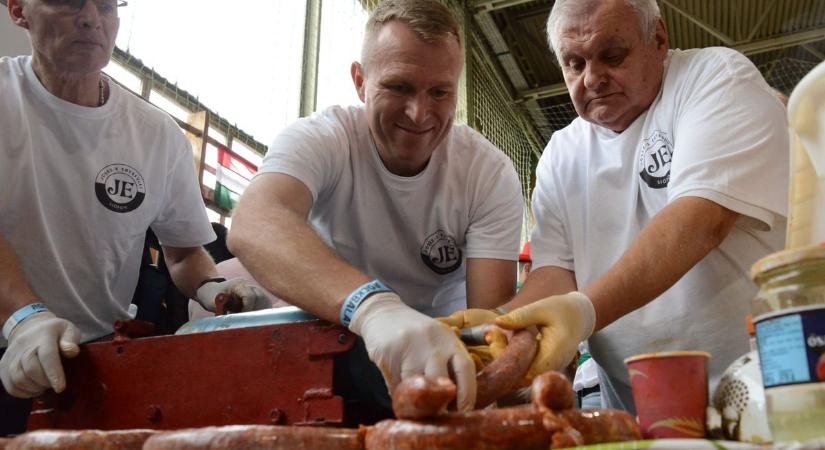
(493,113)
(784,73)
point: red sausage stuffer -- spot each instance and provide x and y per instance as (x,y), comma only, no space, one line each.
(265,367)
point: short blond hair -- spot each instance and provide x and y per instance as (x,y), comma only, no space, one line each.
(430,20)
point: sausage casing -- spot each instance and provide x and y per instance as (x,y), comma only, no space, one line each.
(260,437)
(552,390)
(419,397)
(522,428)
(598,426)
(80,440)
(506,371)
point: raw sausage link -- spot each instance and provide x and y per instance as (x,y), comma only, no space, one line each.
(259,437)
(80,440)
(566,438)
(523,428)
(602,425)
(419,396)
(506,371)
(552,390)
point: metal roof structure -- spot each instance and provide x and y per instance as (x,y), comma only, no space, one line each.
(769,32)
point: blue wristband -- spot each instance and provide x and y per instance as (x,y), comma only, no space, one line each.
(357,296)
(21,314)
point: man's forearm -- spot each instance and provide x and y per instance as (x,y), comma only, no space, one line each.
(685,231)
(288,258)
(189,267)
(272,239)
(15,292)
(490,282)
(543,282)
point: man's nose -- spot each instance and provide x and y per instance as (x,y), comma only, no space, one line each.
(88,15)
(595,75)
(418,108)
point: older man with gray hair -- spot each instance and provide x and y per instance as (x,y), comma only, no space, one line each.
(651,205)
(85,169)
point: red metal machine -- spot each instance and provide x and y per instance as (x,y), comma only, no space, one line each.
(277,373)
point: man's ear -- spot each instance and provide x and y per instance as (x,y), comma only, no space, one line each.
(357,72)
(16,14)
(661,37)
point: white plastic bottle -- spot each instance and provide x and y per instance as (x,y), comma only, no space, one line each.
(789,310)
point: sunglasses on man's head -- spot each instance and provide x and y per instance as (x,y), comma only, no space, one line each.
(103,6)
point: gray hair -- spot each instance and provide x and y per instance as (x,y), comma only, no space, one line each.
(647,11)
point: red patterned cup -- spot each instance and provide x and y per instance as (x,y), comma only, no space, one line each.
(670,390)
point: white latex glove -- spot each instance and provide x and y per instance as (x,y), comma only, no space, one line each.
(402,342)
(563,321)
(32,363)
(252,297)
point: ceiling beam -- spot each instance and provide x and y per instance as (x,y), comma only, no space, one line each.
(478,6)
(761,20)
(780,42)
(751,48)
(702,24)
(541,92)
(814,52)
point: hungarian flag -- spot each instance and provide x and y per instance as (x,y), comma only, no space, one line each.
(233,175)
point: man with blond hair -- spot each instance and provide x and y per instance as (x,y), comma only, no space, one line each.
(386,214)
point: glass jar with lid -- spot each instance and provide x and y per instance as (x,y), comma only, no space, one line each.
(789,316)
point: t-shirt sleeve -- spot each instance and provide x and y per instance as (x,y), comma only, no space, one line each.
(495,224)
(549,243)
(312,149)
(182,221)
(731,141)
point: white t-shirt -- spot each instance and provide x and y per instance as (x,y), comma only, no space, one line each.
(413,233)
(80,186)
(715,131)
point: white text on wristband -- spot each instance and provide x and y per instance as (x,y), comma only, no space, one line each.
(357,296)
(21,314)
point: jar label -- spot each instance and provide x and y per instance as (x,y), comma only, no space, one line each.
(792,347)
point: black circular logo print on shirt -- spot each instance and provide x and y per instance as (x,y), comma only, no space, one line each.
(440,253)
(120,188)
(654,160)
